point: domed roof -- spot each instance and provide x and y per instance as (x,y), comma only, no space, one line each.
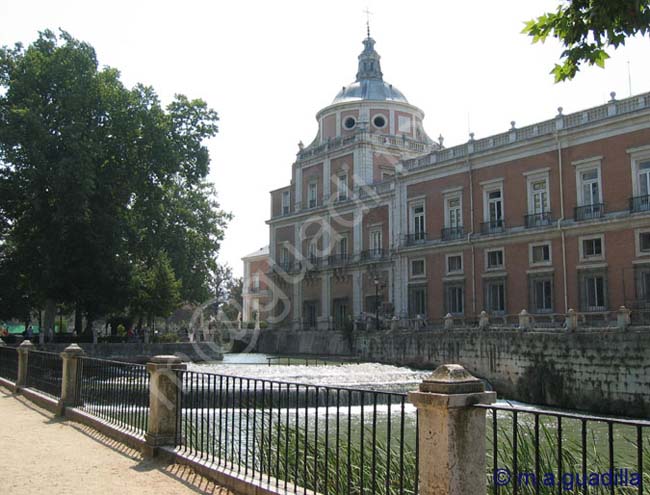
(369,89)
(369,84)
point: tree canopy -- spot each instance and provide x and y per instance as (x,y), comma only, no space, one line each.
(103,191)
(587,28)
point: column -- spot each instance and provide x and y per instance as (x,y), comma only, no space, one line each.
(23,358)
(356,294)
(298,188)
(297,304)
(69,382)
(451,432)
(163,402)
(357,231)
(327,180)
(325,300)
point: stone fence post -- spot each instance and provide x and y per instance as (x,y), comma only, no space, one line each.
(623,318)
(451,432)
(23,358)
(163,402)
(484,321)
(449,322)
(69,381)
(524,320)
(571,321)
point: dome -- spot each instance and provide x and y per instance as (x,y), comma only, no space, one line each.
(369,89)
(369,84)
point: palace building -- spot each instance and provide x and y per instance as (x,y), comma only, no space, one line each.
(380,221)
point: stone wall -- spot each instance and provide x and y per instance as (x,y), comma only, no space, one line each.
(605,371)
(140,352)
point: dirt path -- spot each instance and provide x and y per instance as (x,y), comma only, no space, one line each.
(43,454)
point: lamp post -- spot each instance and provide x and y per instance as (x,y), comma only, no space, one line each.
(376,303)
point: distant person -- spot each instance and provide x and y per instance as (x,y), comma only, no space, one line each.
(29,333)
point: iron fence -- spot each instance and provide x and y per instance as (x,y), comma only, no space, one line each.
(9,363)
(44,372)
(544,452)
(300,437)
(115,392)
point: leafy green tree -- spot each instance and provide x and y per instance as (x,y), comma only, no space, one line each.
(96,180)
(587,28)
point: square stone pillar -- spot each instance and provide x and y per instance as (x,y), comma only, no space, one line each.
(451,432)
(164,391)
(70,378)
(23,358)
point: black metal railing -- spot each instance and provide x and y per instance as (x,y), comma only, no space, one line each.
(44,372)
(639,204)
(452,233)
(313,263)
(493,226)
(115,392)
(527,447)
(374,254)
(415,238)
(543,219)
(300,437)
(339,259)
(9,363)
(588,212)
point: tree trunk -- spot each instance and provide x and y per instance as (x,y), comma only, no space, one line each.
(49,318)
(78,319)
(89,324)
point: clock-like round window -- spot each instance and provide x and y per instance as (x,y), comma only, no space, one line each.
(349,123)
(379,121)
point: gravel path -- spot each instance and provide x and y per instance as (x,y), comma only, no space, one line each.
(41,453)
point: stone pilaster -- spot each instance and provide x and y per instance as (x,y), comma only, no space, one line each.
(451,432)
(70,379)
(23,359)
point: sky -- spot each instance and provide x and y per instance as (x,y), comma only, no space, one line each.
(268,67)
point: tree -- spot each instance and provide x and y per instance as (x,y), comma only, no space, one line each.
(97,180)
(587,28)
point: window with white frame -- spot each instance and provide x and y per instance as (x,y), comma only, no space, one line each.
(454,298)
(494,259)
(375,241)
(286,202)
(593,290)
(454,263)
(538,194)
(493,211)
(284,257)
(643,178)
(641,183)
(642,277)
(418,268)
(540,254)
(590,186)
(644,242)
(417,301)
(256,281)
(312,194)
(454,212)
(592,248)
(312,249)
(343,187)
(540,289)
(343,246)
(418,221)
(495,296)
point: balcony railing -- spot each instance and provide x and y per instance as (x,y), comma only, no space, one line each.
(589,212)
(313,263)
(452,233)
(493,227)
(415,238)
(374,254)
(538,220)
(338,259)
(639,203)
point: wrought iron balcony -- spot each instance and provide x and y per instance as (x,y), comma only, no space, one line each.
(589,212)
(416,238)
(639,204)
(538,220)
(338,259)
(493,226)
(374,254)
(452,233)
(313,263)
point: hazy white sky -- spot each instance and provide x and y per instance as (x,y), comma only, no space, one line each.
(268,67)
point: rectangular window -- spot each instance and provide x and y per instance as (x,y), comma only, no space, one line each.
(343,247)
(541,294)
(375,242)
(454,217)
(540,254)
(312,195)
(642,276)
(644,179)
(343,187)
(494,259)
(644,242)
(592,248)
(312,250)
(418,268)
(495,207)
(590,186)
(455,299)
(495,296)
(538,197)
(417,301)
(286,197)
(454,263)
(418,222)
(595,292)
(284,257)
(256,281)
